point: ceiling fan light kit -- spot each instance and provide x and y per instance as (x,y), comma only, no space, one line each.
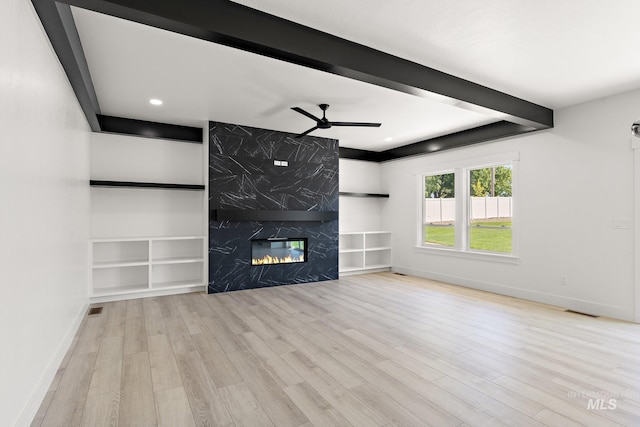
(324,123)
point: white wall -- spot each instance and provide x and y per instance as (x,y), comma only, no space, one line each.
(132,158)
(136,212)
(358,213)
(587,155)
(44,216)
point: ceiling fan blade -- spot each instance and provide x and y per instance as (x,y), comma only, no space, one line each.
(372,125)
(309,131)
(304,113)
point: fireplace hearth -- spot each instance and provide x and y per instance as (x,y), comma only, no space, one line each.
(278,250)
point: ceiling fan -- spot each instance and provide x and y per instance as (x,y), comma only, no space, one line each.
(323,123)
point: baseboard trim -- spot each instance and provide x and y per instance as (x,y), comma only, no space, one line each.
(363,271)
(37,396)
(146,294)
(575,304)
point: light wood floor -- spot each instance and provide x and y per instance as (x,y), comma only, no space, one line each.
(371,350)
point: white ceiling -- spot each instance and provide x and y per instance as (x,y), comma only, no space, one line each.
(551,53)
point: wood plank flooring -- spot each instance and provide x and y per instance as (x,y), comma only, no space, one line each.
(371,350)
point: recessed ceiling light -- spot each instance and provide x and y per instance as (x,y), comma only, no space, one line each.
(387,139)
(155,101)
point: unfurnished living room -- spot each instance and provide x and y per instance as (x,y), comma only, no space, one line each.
(245,213)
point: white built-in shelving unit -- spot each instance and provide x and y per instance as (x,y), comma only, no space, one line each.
(364,252)
(134,267)
(148,239)
(362,249)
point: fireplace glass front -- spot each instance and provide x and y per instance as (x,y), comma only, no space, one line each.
(278,251)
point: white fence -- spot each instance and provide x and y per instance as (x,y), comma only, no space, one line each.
(439,210)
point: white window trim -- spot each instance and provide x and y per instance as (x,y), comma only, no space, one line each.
(461,170)
(474,255)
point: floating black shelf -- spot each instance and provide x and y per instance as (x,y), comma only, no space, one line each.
(271,215)
(349,194)
(130,184)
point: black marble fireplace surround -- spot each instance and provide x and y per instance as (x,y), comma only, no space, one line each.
(266,184)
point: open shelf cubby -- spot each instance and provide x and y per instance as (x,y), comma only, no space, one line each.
(364,252)
(137,267)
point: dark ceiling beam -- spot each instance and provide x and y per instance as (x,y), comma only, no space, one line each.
(490,132)
(149,129)
(463,138)
(58,23)
(238,26)
(357,154)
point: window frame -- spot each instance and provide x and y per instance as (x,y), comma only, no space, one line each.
(462,170)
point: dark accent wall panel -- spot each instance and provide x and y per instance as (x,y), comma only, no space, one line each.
(246,174)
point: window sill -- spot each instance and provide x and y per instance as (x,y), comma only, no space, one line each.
(480,256)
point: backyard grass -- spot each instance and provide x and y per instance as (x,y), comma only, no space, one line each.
(496,238)
(439,235)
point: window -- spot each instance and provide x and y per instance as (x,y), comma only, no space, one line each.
(490,196)
(470,209)
(439,209)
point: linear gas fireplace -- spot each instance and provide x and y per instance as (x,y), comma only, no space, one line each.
(278,250)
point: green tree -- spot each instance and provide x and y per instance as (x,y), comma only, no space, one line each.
(503,181)
(481,182)
(439,186)
(493,181)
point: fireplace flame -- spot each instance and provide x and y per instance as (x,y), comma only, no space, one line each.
(268,259)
